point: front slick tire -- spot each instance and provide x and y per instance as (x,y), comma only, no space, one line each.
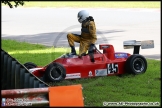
(30,65)
(55,72)
(136,64)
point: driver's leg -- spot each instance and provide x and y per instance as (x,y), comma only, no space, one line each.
(84,45)
(71,39)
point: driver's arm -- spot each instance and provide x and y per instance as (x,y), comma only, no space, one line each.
(92,31)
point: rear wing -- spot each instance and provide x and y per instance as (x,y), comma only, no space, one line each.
(136,45)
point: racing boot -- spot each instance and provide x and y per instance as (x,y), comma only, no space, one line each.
(73,51)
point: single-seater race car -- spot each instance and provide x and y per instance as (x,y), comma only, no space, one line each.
(105,63)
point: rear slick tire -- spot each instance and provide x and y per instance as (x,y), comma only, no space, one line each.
(136,64)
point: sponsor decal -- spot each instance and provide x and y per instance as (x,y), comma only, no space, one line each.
(101,72)
(90,74)
(121,55)
(73,75)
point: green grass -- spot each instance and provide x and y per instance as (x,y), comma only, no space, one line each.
(39,54)
(127,88)
(94,4)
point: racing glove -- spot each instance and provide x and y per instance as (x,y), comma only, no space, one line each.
(83,54)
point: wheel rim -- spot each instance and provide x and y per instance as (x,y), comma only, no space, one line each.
(55,73)
(138,65)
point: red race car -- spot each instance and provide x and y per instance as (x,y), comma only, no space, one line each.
(95,64)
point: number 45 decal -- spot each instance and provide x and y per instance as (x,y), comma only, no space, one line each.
(112,68)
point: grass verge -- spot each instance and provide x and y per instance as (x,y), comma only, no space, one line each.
(94,4)
(127,88)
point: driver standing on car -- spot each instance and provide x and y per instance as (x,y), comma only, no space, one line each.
(87,38)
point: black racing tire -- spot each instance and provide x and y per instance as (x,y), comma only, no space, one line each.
(55,72)
(30,65)
(136,64)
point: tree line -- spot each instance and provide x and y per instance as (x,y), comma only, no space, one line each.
(12,4)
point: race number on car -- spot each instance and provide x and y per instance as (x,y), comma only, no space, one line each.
(112,68)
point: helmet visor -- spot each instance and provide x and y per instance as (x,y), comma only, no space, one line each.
(80,19)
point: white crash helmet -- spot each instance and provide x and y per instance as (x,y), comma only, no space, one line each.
(82,15)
